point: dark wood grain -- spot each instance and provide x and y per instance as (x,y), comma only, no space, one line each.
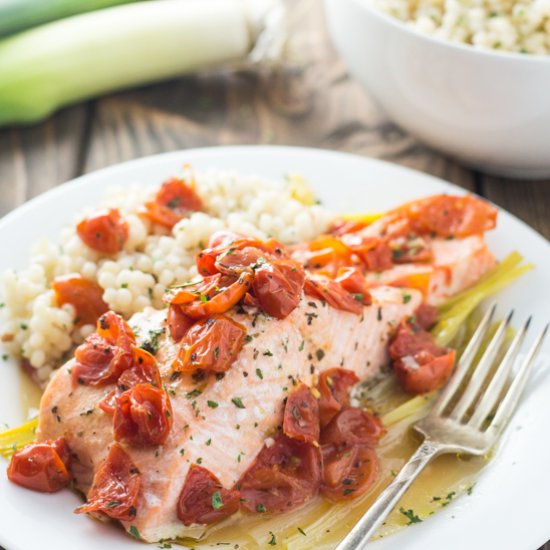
(309,102)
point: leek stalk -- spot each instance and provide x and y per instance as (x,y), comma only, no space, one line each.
(87,55)
(19,15)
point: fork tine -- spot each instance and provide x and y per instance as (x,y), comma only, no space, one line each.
(481,371)
(464,363)
(492,393)
(509,403)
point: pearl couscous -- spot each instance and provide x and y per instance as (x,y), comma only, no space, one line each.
(521,26)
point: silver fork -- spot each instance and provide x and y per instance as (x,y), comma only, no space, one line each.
(447,427)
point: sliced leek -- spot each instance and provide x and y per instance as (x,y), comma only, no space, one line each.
(16,438)
(454,312)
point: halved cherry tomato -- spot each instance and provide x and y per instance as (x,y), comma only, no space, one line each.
(234,262)
(352,280)
(143,416)
(203,289)
(86,297)
(301,415)
(334,386)
(104,355)
(211,345)
(375,253)
(227,243)
(284,475)
(178,323)
(105,231)
(173,201)
(348,473)
(42,466)
(144,370)
(419,364)
(222,301)
(352,426)
(115,488)
(332,293)
(203,500)
(450,216)
(278,287)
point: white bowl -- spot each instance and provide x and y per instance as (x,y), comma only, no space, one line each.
(490,109)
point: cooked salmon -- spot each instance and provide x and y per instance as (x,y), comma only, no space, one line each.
(209,428)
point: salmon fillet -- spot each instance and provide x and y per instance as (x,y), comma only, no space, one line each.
(223,438)
(457,264)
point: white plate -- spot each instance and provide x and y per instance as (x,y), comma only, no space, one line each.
(508,509)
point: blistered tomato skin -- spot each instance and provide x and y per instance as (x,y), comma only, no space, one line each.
(203,500)
(84,295)
(334,386)
(142,416)
(211,345)
(41,467)
(106,354)
(278,287)
(104,231)
(301,415)
(115,488)
(285,474)
(332,293)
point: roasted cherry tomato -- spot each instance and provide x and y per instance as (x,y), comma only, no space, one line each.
(41,467)
(203,290)
(144,370)
(178,323)
(352,280)
(106,354)
(334,386)
(211,345)
(278,287)
(450,216)
(348,473)
(419,364)
(352,426)
(224,243)
(301,415)
(105,231)
(234,262)
(374,252)
(86,297)
(284,475)
(203,500)
(221,301)
(174,200)
(143,416)
(332,293)
(115,488)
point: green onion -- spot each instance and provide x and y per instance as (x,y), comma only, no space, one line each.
(19,15)
(87,55)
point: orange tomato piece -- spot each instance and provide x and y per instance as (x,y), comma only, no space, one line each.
(104,231)
(211,345)
(85,295)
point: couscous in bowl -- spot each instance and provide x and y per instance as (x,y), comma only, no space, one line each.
(488,108)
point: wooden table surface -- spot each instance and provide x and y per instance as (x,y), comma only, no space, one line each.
(313,104)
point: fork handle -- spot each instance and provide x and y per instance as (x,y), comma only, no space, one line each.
(359,536)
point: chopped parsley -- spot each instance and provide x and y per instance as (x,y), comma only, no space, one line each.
(410,515)
(193,393)
(407,298)
(217,501)
(259,374)
(273,539)
(134,532)
(212,404)
(301,348)
(302,531)
(113,504)
(267,353)
(260,508)
(237,401)
(151,344)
